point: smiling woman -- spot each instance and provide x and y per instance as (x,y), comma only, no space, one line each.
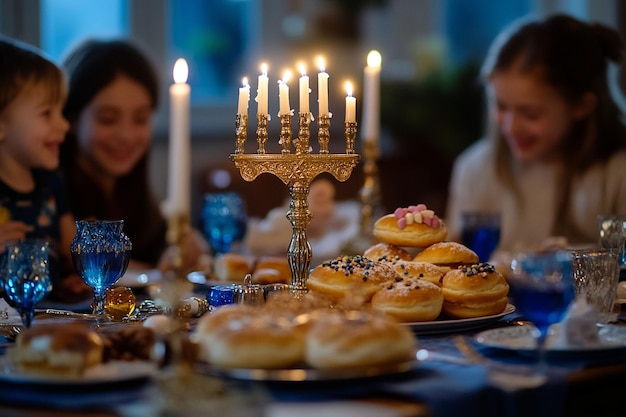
(113,92)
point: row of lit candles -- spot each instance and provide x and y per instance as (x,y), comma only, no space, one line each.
(178,199)
(374,62)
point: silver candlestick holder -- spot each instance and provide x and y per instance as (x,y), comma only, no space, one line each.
(296,170)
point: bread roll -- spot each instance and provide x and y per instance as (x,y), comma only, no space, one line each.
(409,300)
(254,342)
(356,338)
(58,348)
(232,267)
(387,252)
(475,291)
(415,235)
(350,277)
(271,270)
(448,255)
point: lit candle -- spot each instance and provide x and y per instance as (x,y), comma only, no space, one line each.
(350,104)
(179,143)
(304,90)
(322,86)
(283,94)
(371,96)
(261,98)
(244,97)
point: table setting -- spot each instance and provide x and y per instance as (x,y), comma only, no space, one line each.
(401,323)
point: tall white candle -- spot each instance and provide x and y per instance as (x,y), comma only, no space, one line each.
(350,104)
(244,97)
(371,97)
(322,87)
(179,186)
(262,88)
(283,94)
(304,90)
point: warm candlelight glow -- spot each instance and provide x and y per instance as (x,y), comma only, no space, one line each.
(283,94)
(350,104)
(304,89)
(181,71)
(321,63)
(322,88)
(371,97)
(262,91)
(179,171)
(244,97)
(374,59)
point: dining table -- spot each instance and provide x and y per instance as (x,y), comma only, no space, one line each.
(457,371)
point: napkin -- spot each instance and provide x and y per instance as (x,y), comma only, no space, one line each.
(578,328)
(331,228)
(9,315)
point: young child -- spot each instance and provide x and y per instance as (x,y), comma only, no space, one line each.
(554,154)
(33,201)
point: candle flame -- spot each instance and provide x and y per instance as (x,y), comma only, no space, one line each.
(264,69)
(181,71)
(286,76)
(349,88)
(374,59)
(302,69)
(321,63)
(244,82)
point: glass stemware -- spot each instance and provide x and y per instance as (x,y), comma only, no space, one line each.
(224,220)
(100,252)
(542,288)
(26,277)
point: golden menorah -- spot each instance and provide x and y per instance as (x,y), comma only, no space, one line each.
(296,170)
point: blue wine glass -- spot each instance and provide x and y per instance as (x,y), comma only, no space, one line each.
(542,288)
(224,220)
(101,253)
(26,276)
(481,232)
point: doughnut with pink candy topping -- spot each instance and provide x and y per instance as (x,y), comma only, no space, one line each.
(413,226)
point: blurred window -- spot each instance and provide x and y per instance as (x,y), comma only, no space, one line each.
(210,35)
(64,23)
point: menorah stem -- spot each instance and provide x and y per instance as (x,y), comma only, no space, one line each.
(261,132)
(369,193)
(241,132)
(302,142)
(323,132)
(350,133)
(285,133)
(300,252)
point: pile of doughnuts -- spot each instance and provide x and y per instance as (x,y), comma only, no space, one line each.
(443,278)
(233,267)
(275,337)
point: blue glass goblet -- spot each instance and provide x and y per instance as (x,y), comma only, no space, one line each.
(101,253)
(224,220)
(26,276)
(542,288)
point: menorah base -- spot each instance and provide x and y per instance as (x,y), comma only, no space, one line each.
(297,171)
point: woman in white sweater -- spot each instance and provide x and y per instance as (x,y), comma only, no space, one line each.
(554,156)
